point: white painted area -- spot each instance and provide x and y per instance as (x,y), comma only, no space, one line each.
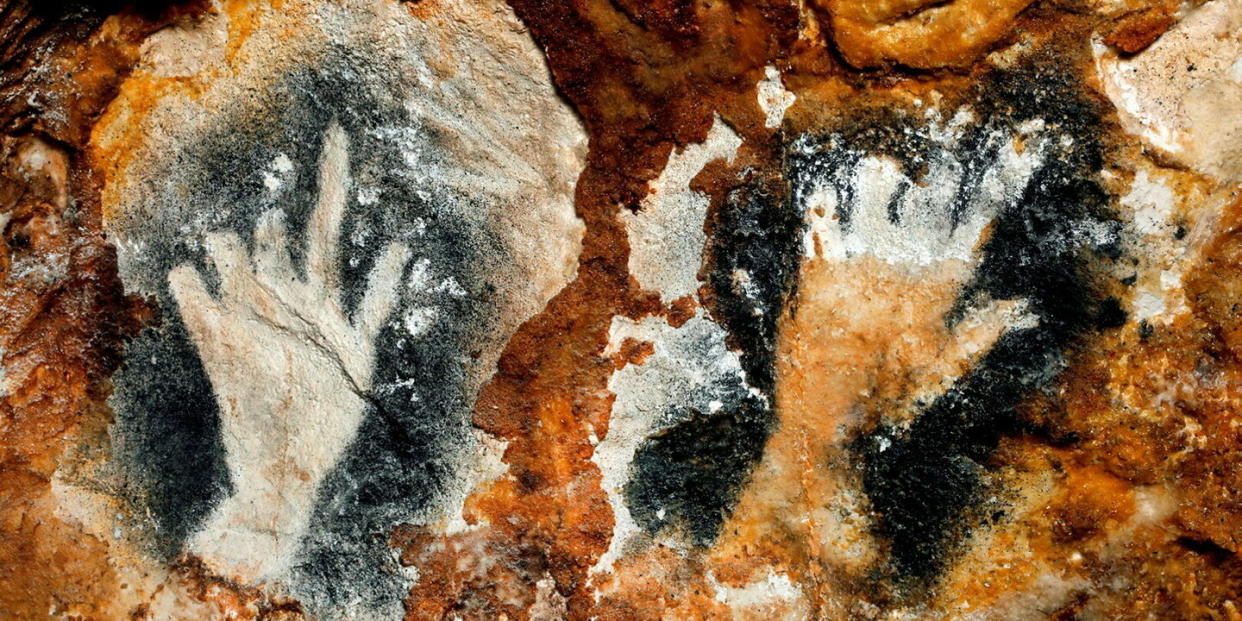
(420,276)
(774,100)
(451,287)
(1149,204)
(1147,305)
(948,132)
(1180,94)
(367,196)
(418,320)
(277,173)
(924,234)
(742,279)
(290,371)
(690,367)
(666,235)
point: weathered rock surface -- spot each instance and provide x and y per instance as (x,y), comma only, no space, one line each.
(466,309)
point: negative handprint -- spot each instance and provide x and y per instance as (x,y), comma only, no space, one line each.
(290,368)
(889,252)
(881,325)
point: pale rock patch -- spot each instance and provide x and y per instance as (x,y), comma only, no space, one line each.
(187,47)
(666,235)
(1150,205)
(774,594)
(1180,94)
(774,100)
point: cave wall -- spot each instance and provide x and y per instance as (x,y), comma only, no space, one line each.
(465,309)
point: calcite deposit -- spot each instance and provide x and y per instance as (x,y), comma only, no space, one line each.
(611,309)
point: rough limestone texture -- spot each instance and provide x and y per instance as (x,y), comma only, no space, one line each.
(611,309)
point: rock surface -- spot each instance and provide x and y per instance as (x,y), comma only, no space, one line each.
(466,309)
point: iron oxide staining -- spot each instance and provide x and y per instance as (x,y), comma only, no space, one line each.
(921,34)
(64,312)
(866,361)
